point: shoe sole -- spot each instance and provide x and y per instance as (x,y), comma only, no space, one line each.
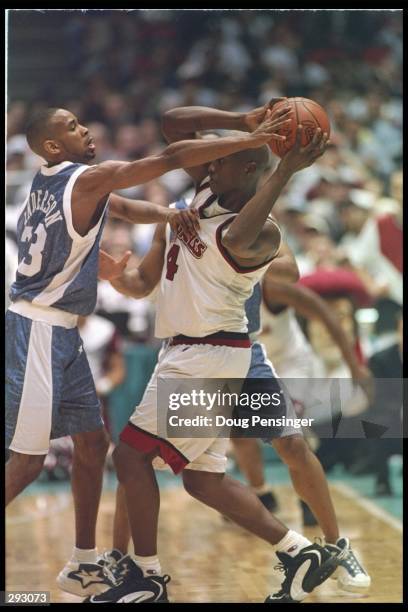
(353,588)
(319,575)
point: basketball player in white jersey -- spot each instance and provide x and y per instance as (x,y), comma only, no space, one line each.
(281,337)
(49,388)
(205,282)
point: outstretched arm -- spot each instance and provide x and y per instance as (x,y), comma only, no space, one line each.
(110,175)
(141,211)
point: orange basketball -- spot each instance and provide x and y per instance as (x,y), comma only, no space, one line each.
(306,112)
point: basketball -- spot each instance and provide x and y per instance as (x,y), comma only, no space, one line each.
(306,112)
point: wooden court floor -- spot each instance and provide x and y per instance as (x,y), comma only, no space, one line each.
(209,560)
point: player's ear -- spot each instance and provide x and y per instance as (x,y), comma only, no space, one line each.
(51,147)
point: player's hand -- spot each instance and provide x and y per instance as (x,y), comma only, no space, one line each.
(254,118)
(109,268)
(188,219)
(298,157)
(269,127)
(364,379)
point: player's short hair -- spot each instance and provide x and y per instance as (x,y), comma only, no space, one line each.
(38,127)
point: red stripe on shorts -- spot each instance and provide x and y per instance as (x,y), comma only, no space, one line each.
(146,442)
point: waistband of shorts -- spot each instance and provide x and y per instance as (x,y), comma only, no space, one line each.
(44,314)
(221,338)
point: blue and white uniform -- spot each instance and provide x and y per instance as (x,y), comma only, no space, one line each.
(49,387)
(261,367)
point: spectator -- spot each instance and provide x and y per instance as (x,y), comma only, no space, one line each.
(375,244)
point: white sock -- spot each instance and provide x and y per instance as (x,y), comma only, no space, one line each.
(292,543)
(148,565)
(84,555)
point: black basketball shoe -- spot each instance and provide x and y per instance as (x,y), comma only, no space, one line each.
(311,567)
(134,588)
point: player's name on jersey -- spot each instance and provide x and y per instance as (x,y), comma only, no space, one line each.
(44,201)
(193,242)
(241,422)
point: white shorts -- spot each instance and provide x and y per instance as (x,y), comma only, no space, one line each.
(185,361)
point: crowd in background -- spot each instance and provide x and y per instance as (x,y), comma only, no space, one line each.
(345,212)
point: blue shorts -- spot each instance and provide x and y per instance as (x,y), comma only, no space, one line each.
(261,368)
(50,391)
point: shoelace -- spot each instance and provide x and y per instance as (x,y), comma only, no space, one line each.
(122,573)
(352,564)
(341,555)
(107,561)
(108,573)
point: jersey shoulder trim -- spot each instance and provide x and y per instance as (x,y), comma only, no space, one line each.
(46,171)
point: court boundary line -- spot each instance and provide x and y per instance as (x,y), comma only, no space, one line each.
(368,505)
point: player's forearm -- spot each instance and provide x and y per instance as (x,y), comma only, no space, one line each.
(189,153)
(181,154)
(189,119)
(138,211)
(313,307)
(340,338)
(248,224)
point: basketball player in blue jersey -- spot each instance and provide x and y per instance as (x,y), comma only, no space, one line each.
(203,296)
(49,388)
(306,472)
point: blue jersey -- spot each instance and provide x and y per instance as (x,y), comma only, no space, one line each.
(57,266)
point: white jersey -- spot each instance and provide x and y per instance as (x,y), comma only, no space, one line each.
(202,290)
